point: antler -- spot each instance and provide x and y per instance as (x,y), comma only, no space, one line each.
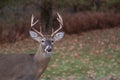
(61,24)
(33,23)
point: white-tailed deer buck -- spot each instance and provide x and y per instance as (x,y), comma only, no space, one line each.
(30,66)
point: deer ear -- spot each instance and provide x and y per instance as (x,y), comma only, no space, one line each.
(58,36)
(34,36)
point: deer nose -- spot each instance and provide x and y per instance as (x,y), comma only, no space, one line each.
(48,48)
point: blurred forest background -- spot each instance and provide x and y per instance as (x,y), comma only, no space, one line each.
(78,15)
(90,49)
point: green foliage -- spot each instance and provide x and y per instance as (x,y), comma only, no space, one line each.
(106,4)
(113,4)
(113,1)
(68,3)
(3,3)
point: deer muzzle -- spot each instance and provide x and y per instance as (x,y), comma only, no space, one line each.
(48,49)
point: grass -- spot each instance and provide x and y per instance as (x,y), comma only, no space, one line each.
(92,55)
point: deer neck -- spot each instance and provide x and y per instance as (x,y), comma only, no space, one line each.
(41,55)
(42,60)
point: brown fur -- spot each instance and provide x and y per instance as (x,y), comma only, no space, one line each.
(17,67)
(23,66)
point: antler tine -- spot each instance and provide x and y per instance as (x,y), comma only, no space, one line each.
(33,23)
(32,20)
(60,20)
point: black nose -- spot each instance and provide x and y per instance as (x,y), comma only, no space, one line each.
(49,48)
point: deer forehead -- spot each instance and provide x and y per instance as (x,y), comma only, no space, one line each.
(47,40)
(47,37)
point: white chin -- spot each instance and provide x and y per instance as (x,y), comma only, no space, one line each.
(48,52)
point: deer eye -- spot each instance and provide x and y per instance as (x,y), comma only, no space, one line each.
(43,41)
(52,41)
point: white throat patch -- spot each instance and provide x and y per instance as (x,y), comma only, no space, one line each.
(48,54)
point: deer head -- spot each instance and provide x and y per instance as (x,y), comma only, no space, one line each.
(46,41)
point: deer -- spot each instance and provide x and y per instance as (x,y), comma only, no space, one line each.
(31,66)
